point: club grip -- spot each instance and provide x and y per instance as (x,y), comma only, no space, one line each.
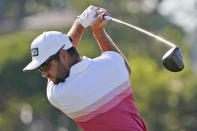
(108,18)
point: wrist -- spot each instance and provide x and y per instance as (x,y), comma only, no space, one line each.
(98,32)
(78,24)
(88,16)
(84,23)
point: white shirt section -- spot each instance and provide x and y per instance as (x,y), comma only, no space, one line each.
(89,81)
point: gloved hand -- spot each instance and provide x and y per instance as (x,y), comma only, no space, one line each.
(89,15)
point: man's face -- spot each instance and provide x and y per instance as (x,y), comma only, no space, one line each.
(56,71)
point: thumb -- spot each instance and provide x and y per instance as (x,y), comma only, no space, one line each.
(100,17)
(98,20)
(103,22)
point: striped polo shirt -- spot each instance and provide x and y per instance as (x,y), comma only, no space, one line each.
(97,95)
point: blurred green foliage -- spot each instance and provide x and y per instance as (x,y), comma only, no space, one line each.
(166,100)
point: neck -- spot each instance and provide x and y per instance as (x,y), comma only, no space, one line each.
(75,61)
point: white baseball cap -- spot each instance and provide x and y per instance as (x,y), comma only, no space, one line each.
(46,45)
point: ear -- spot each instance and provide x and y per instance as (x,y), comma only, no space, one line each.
(64,57)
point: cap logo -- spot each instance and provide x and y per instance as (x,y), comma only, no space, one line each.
(34,52)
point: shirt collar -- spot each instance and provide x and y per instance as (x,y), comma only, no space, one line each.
(80,66)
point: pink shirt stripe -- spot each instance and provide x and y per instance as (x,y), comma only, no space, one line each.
(105,107)
(102,105)
(123,117)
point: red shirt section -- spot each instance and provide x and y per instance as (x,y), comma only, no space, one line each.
(122,117)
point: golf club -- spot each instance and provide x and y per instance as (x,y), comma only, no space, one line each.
(172,60)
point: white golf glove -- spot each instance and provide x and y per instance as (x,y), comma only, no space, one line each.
(89,15)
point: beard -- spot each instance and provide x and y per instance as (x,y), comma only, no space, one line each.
(61,74)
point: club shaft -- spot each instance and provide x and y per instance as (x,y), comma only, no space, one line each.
(141,30)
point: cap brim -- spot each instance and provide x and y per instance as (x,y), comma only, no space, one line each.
(34,64)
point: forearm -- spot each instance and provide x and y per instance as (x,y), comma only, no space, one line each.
(106,44)
(76,33)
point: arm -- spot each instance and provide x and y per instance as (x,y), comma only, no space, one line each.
(104,40)
(76,32)
(84,20)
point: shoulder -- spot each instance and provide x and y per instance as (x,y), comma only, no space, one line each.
(111,61)
(112,56)
(54,90)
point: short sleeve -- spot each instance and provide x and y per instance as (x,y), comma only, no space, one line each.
(114,56)
(116,61)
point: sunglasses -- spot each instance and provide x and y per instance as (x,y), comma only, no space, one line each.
(45,65)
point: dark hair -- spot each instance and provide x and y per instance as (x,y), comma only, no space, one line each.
(73,52)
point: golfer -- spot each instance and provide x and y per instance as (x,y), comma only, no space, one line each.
(95,93)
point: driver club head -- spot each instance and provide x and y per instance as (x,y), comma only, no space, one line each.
(173,60)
